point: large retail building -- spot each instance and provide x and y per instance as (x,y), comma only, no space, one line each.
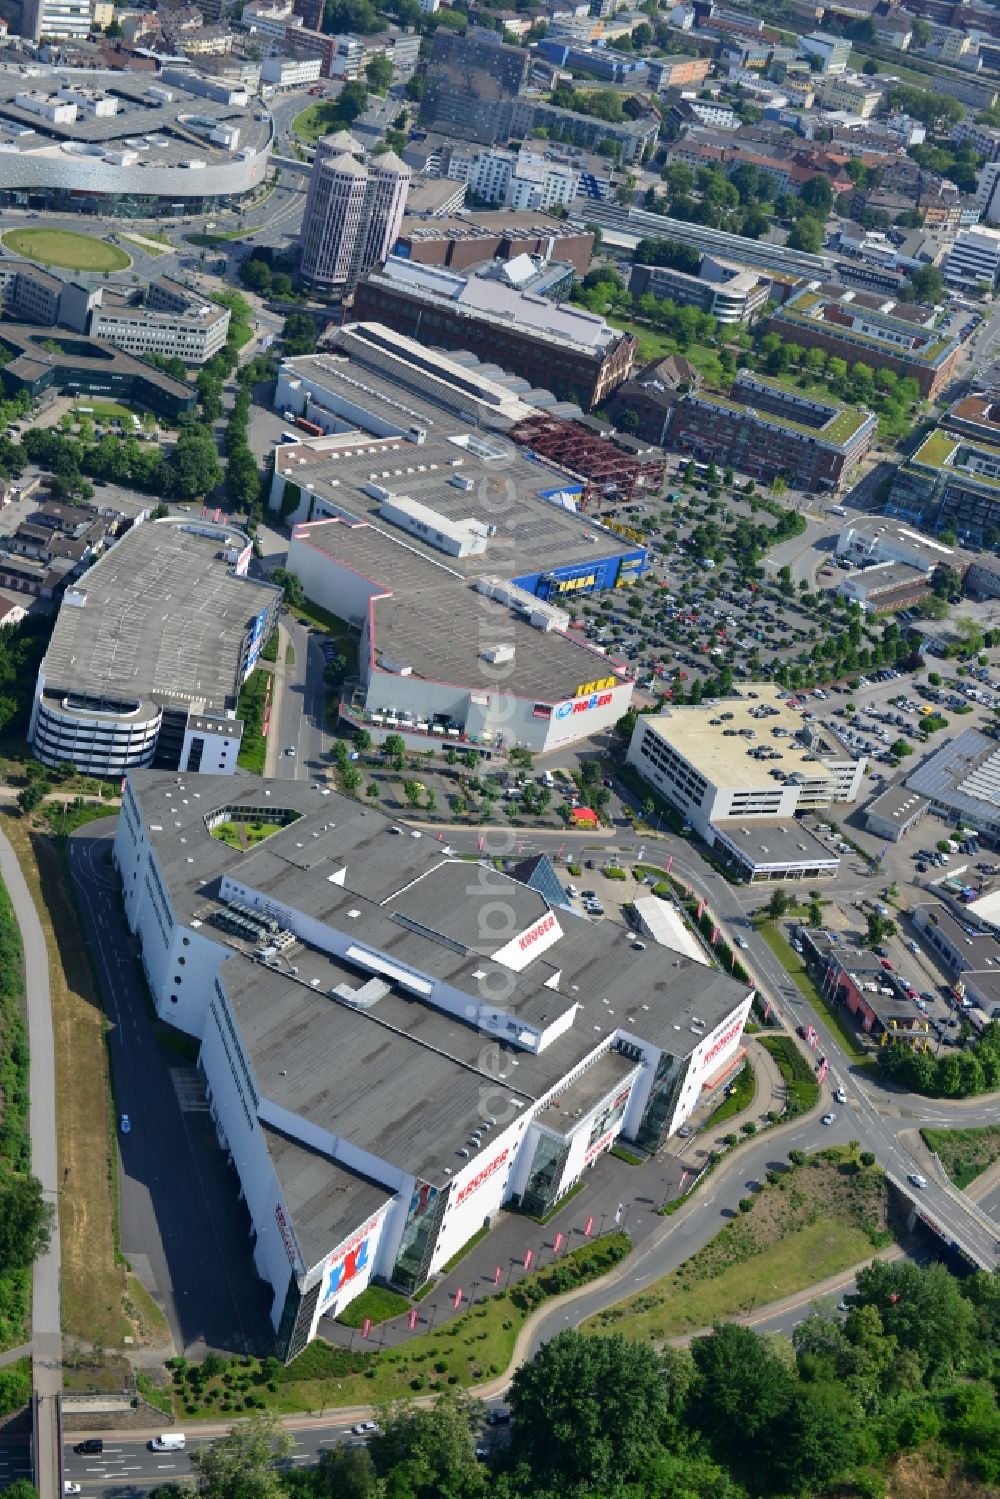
(130,145)
(149,652)
(395,1042)
(461,555)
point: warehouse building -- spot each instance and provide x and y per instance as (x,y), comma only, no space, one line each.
(876,998)
(962,782)
(733,765)
(450,648)
(868,539)
(894,812)
(885,587)
(394,1043)
(149,652)
(768,432)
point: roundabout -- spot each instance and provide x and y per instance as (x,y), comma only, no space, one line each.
(66,249)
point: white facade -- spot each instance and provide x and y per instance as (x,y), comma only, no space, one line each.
(880,539)
(193,337)
(290,72)
(486,708)
(973,258)
(679,754)
(540,1142)
(524,182)
(60,20)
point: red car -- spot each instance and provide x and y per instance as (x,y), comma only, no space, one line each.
(887,965)
(912,994)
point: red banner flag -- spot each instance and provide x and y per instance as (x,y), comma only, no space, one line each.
(496,1278)
(366,1327)
(480,842)
(670,863)
(411,1317)
(588,1228)
(457,1302)
(558,1244)
(529,1255)
(700,911)
(715,935)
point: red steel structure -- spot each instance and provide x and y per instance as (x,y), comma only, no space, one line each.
(608,473)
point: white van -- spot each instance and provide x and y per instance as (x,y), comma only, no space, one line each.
(167,1441)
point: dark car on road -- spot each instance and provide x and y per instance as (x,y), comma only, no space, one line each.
(91,1445)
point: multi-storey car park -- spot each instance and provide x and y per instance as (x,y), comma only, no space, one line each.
(395,1043)
(739,771)
(149,652)
(130,146)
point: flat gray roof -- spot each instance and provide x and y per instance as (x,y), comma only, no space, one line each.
(439,625)
(403,1077)
(320,1194)
(164,619)
(776,841)
(897,803)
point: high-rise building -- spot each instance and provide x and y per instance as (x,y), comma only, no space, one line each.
(354,212)
(62,20)
(472,82)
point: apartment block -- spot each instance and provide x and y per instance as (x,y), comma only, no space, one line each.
(765,431)
(872,330)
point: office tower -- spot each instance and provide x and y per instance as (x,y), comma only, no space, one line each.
(472,83)
(354,211)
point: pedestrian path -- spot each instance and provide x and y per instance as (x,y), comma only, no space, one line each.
(613,1194)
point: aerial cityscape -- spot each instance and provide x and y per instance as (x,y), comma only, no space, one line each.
(500,749)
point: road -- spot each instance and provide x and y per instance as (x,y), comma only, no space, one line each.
(46,1319)
(301,705)
(180,1218)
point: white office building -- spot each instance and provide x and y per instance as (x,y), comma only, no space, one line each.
(395,1043)
(58,20)
(974,259)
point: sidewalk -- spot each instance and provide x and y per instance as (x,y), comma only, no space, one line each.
(613,1192)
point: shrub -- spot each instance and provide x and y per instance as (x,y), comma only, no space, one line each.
(867,1158)
(746,1204)
(797,1157)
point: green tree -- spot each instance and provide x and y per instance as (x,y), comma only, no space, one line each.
(291,585)
(740,1391)
(806,235)
(362,741)
(778,903)
(429,1454)
(587,1411)
(379,74)
(25,1221)
(195,464)
(923,1308)
(347,1473)
(926,284)
(241,1465)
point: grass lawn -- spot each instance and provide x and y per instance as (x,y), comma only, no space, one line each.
(739,1099)
(244,835)
(64,247)
(656,345)
(475,1346)
(810,1222)
(803,1089)
(15,1390)
(146,249)
(103,410)
(315,614)
(964,1153)
(799,975)
(250,709)
(317,120)
(375,1302)
(101,1301)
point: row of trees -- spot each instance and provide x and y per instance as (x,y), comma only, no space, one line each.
(190,471)
(737,1414)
